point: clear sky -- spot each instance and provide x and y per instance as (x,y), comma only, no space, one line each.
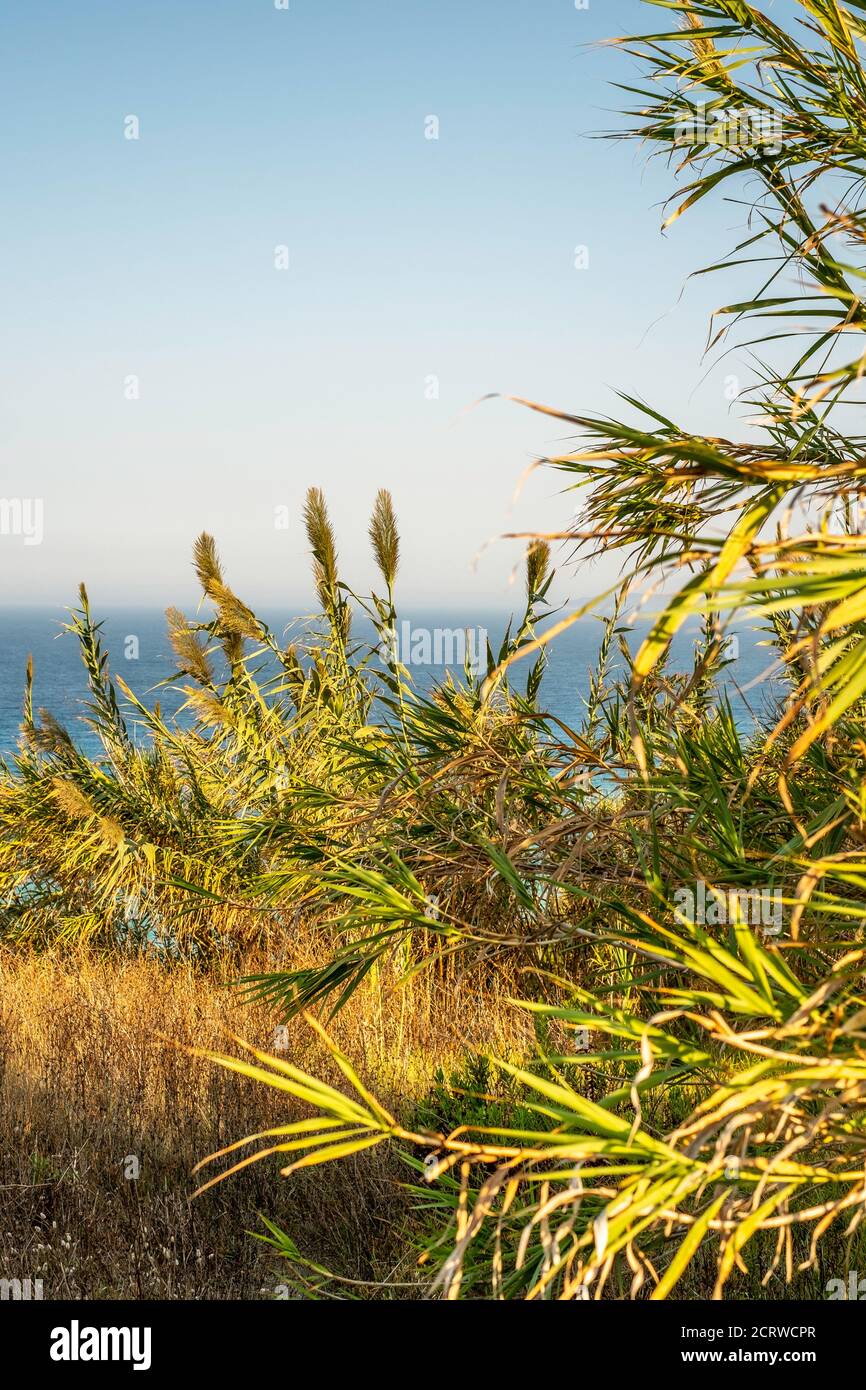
(408,259)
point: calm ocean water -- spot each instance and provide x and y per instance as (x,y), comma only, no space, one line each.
(60,685)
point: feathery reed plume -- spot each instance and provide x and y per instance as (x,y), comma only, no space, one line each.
(206,562)
(320,534)
(209,707)
(28,692)
(384,537)
(72,800)
(77,806)
(48,735)
(235,617)
(188,647)
(704,49)
(235,620)
(537,567)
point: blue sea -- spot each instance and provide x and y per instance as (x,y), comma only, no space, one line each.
(139,650)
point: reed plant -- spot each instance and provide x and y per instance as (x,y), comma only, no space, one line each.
(695,1096)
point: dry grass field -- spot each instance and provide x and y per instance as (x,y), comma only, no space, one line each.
(87,1085)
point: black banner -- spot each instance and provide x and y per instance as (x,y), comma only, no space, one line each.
(84,1341)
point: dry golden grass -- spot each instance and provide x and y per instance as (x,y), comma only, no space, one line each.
(86,1083)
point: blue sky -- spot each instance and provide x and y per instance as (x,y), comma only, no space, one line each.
(409,259)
